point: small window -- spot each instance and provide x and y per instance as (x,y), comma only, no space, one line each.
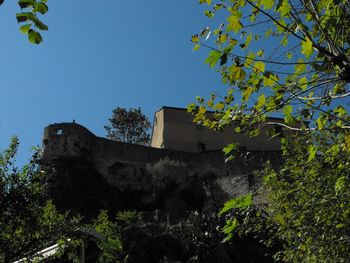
(201,147)
(59,132)
(251,180)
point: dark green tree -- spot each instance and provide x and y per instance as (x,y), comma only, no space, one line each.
(28,221)
(130,126)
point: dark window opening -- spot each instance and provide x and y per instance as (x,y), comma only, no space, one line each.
(201,147)
(45,142)
(251,180)
(278,130)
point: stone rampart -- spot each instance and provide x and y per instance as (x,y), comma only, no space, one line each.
(140,168)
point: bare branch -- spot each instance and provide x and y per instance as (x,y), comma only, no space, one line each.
(290,127)
(323,97)
(262,60)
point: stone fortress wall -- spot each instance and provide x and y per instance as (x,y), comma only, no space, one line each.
(173,191)
(128,165)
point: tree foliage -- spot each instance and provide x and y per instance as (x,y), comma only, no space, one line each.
(28,221)
(130,126)
(29,16)
(111,246)
(288,59)
(308,203)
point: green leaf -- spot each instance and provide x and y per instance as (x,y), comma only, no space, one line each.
(306,47)
(248,39)
(340,111)
(249,60)
(303,83)
(260,53)
(283,7)
(340,184)
(34,37)
(205,1)
(218,6)
(209,14)
(288,118)
(222,38)
(195,38)
(270,79)
(300,67)
(234,24)
(261,101)
(196,47)
(338,89)
(25,28)
(312,150)
(25,16)
(25,3)
(237,73)
(339,225)
(321,122)
(240,202)
(268,4)
(247,92)
(213,58)
(281,27)
(229,228)
(287,110)
(41,7)
(219,106)
(230,148)
(40,25)
(259,67)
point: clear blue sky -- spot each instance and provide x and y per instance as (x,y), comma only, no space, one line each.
(97,55)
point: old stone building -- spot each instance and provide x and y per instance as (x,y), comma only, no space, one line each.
(173,128)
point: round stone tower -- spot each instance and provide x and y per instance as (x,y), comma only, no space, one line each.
(67,140)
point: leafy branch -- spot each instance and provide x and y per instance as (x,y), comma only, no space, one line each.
(29,16)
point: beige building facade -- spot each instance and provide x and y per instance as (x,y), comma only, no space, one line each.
(173,128)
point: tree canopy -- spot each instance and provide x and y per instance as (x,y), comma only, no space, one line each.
(130,126)
(288,59)
(29,222)
(283,58)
